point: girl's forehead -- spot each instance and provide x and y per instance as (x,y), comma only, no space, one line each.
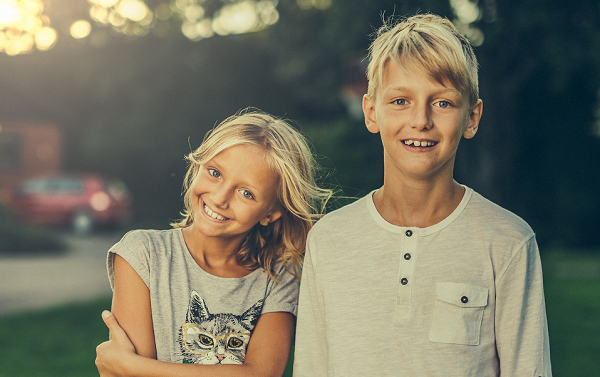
(246,162)
(246,150)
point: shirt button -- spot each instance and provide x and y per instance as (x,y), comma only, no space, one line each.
(408,233)
(464,299)
(404,281)
(407,256)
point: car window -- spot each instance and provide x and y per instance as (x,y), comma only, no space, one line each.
(51,186)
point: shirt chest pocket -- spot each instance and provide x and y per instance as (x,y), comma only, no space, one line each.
(457,313)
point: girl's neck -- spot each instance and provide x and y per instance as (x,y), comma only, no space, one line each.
(217,256)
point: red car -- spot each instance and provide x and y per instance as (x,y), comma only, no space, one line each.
(82,202)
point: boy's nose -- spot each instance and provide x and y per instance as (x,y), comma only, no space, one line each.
(421,118)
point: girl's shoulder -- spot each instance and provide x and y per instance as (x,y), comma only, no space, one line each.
(149,240)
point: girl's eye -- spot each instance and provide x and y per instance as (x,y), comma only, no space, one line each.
(215,173)
(247,194)
(400,101)
(444,104)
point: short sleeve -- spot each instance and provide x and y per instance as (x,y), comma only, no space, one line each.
(282,295)
(133,247)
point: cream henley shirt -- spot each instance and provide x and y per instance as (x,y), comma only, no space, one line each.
(463,297)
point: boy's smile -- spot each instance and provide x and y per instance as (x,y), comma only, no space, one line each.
(421,122)
(420,143)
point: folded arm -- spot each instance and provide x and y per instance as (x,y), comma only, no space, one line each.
(267,353)
(131,350)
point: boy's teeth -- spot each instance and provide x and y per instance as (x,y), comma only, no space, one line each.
(417,143)
(212,214)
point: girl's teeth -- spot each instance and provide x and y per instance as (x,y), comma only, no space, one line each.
(212,214)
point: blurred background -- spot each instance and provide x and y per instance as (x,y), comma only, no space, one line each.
(101,99)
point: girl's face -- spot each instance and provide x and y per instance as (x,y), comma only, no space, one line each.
(233,192)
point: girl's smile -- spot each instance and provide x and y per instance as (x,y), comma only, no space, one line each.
(212,214)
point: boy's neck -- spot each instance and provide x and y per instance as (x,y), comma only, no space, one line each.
(417,203)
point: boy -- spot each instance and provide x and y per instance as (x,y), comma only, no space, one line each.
(422,277)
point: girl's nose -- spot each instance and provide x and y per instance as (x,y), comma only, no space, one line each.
(220,197)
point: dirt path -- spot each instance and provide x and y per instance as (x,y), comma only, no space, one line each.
(35,282)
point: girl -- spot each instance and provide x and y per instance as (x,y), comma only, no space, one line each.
(222,286)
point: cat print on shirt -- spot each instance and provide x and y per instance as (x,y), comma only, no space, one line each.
(220,338)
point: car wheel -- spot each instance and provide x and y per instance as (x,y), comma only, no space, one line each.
(82,222)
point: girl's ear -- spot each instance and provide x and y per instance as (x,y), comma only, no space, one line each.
(369,111)
(271,217)
(474,118)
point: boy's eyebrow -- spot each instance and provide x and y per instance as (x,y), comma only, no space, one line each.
(391,91)
(405,89)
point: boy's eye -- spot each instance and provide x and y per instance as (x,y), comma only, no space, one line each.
(400,101)
(215,173)
(444,104)
(247,194)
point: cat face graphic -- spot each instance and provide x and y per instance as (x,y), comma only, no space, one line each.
(220,338)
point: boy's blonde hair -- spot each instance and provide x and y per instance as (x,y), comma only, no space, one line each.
(432,44)
(300,200)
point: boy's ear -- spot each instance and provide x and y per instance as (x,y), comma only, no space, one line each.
(369,111)
(474,118)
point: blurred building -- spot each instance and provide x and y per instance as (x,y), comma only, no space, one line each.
(355,84)
(27,149)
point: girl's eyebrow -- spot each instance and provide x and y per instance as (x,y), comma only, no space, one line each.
(213,162)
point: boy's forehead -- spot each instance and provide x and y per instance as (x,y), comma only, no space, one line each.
(400,75)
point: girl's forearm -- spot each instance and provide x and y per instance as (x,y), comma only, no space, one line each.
(140,366)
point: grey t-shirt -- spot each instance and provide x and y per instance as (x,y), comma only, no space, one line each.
(200,318)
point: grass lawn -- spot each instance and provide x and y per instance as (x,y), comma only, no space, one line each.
(572,286)
(62,341)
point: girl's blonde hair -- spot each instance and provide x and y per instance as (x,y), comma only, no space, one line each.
(432,44)
(298,196)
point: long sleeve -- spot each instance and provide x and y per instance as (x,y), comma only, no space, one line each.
(521,326)
(310,357)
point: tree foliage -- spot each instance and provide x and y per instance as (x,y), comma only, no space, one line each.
(134,107)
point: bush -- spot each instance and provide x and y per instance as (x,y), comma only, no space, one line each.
(15,237)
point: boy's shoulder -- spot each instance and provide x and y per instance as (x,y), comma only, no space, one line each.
(496,219)
(345,216)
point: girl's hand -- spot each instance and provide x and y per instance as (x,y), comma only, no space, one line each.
(112,356)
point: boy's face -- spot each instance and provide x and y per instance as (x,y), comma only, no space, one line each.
(420,121)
